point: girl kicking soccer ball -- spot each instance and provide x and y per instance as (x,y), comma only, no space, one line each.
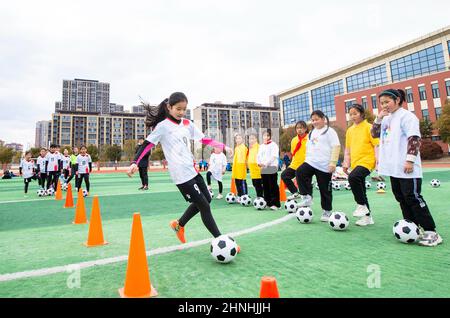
(174,133)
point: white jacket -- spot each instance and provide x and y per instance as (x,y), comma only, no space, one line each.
(268,155)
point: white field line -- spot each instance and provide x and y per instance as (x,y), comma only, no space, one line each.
(111,260)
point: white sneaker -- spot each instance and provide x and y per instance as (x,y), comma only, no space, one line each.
(361,210)
(365,220)
(306,201)
(430,238)
(275,208)
(219,196)
(293,196)
(325,216)
(238,199)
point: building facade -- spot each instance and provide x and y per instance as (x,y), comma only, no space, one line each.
(41,137)
(15,146)
(85,95)
(420,67)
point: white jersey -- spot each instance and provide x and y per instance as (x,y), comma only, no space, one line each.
(41,161)
(66,162)
(53,163)
(83,163)
(319,147)
(217,163)
(396,128)
(175,140)
(27,168)
(268,155)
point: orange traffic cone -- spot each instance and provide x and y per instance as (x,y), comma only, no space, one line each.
(58,194)
(137,279)
(269,288)
(80,210)
(233,187)
(95,236)
(69,198)
(282,191)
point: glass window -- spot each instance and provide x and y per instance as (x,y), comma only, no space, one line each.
(425,114)
(423,62)
(348,104)
(364,102)
(374,102)
(438,112)
(323,97)
(296,108)
(435,90)
(409,95)
(447,87)
(422,93)
(369,78)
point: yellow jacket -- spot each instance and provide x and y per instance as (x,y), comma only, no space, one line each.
(239,170)
(300,155)
(255,170)
(360,145)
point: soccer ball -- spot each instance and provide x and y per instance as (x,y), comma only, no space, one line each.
(211,193)
(290,206)
(347,186)
(223,249)
(368,185)
(85,193)
(338,221)
(230,198)
(406,231)
(304,215)
(50,192)
(41,192)
(245,200)
(336,186)
(64,187)
(259,203)
(381,186)
(435,183)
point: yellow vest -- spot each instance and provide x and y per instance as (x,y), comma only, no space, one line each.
(362,145)
(239,170)
(255,171)
(299,157)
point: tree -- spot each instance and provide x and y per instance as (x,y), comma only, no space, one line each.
(426,128)
(129,149)
(341,135)
(69,149)
(35,152)
(92,150)
(6,155)
(369,116)
(17,156)
(157,153)
(443,124)
(113,152)
(286,136)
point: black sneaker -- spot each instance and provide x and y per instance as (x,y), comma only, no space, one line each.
(141,188)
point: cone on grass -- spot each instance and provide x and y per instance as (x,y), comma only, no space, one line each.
(69,197)
(58,194)
(269,288)
(282,191)
(80,210)
(381,191)
(95,236)
(233,187)
(137,279)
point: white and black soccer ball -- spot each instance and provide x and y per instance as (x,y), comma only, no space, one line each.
(64,186)
(50,192)
(336,186)
(259,203)
(245,200)
(223,249)
(304,215)
(368,185)
(338,221)
(347,186)
(85,193)
(406,231)
(290,206)
(41,192)
(230,198)
(381,186)
(435,183)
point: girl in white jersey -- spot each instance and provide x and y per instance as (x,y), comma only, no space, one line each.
(216,169)
(27,171)
(399,158)
(174,133)
(82,168)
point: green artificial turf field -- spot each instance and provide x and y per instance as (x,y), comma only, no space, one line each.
(308,260)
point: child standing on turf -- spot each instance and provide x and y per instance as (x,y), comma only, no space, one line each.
(41,163)
(239,169)
(26,169)
(255,170)
(174,133)
(399,158)
(73,162)
(53,166)
(360,157)
(216,169)
(83,167)
(298,150)
(267,159)
(322,154)
(66,164)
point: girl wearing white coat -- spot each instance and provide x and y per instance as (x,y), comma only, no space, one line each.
(216,169)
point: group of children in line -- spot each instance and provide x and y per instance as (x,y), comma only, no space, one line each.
(51,166)
(315,153)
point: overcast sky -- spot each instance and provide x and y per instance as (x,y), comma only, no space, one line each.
(211,50)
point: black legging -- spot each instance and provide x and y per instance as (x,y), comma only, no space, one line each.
(196,192)
(241,187)
(27,182)
(304,175)
(208,180)
(271,189)
(66,173)
(258,184)
(357,180)
(143,175)
(52,179)
(73,174)
(287,175)
(82,176)
(42,179)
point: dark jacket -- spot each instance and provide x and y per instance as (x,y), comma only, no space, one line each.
(144,162)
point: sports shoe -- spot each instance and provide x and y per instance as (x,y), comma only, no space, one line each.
(141,188)
(238,199)
(365,220)
(219,196)
(293,196)
(306,200)
(360,211)
(238,249)
(274,207)
(145,188)
(179,230)
(325,216)
(430,238)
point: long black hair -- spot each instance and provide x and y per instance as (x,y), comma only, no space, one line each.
(319,114)
(394,94)
(157,114)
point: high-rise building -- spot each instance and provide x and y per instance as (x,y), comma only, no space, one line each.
(58,106)
(137,109)
(41,137)
(85,95)
(115,108)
